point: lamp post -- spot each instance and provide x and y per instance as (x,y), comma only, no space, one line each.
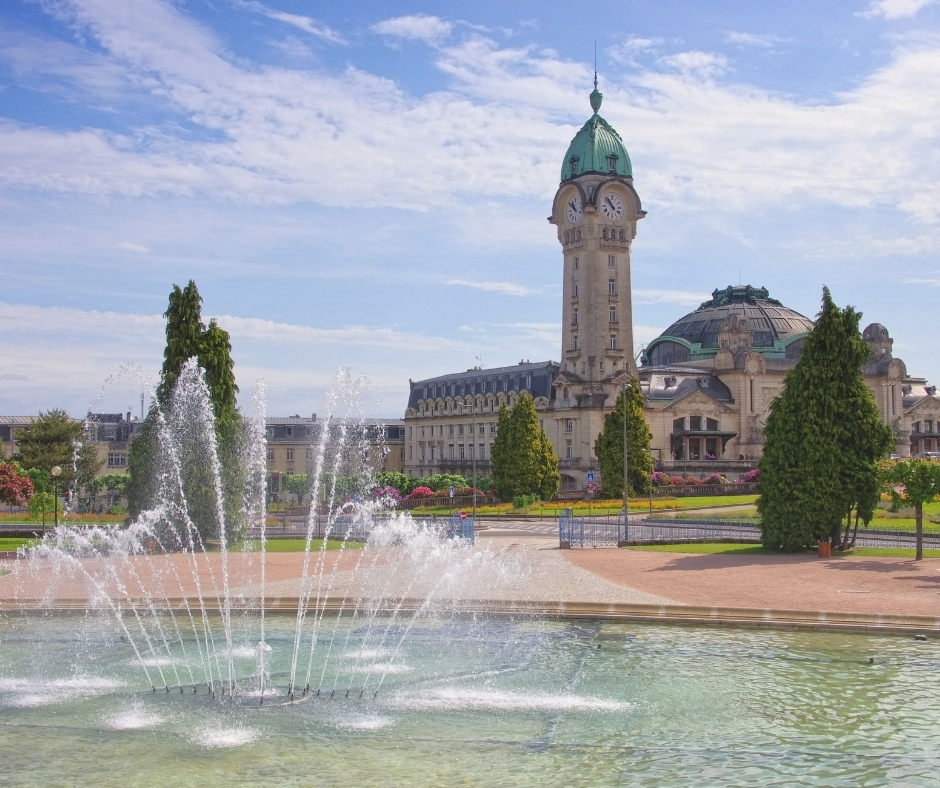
(626,480)
(473,456)
(56,472)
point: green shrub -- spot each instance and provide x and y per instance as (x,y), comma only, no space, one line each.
(522,501)
(117,509)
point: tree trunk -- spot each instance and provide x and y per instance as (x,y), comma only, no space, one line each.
(855,532)
(919,526)
(848,527)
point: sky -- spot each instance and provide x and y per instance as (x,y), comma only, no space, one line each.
(366,185)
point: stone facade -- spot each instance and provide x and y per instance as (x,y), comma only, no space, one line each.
(708,381)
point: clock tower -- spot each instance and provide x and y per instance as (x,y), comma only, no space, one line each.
(595,211)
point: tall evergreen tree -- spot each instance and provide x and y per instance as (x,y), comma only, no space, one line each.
(823,438)
(608,446)
(215,357)
(50,441)
(522,457)
(184,336)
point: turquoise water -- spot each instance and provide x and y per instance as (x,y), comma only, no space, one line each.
(479,703)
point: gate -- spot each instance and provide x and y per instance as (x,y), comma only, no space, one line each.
(590,531)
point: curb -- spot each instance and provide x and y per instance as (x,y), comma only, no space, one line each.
(685,615)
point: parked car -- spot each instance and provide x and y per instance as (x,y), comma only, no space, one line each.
(894,456)
(927,455)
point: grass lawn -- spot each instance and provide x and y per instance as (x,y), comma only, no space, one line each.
(13,543)
(718,548)
(296,545)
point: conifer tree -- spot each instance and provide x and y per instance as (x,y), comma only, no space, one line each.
(608,446)
(823,438)
(50,441)
(522,457)
(184,336)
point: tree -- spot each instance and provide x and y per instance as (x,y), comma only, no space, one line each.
(50,441)
(297,484)
(920,480)
(15,487)
(522,457)
(184,330)
(823,438)
(87,468)
(608,446)
(215,357)
(186,338)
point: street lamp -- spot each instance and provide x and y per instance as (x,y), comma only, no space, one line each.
(473,457)
(626,484)
(56,472)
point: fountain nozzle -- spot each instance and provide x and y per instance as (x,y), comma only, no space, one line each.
(153,688)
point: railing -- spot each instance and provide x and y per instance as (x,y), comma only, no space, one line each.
(590,531)
(351,528)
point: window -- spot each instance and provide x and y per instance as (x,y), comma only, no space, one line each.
(528,380)
(482,430)
(506,384)
(575,321)
(568,450)
(575,289)
(613,314)
(678,425)
(711,425)
(422,454)
(928,425)
(574,166)
(612,165)
(577,262)
(569,425)
(611,261)
(612,287)
(695,423)
(482,448)
(575,341)
(915,427)
(613,341)
(290,455)
(270,455)
(309,454)
(492,429)
(450,449)
(425,392)
(117,460)
(290,432)
(409,452)
(460,429)
(450,429)
(422,432)
(461,450)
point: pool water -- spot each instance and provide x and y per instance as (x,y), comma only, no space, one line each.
(475,702)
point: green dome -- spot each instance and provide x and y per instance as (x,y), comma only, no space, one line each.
(597,148)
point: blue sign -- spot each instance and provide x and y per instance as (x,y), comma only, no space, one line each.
(590,477)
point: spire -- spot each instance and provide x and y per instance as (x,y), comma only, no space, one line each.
(596,96)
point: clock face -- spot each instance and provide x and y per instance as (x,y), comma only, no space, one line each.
(612,206)
(574,209)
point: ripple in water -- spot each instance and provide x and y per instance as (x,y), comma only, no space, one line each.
(364,723)
(216,738)
(24,693)
(134,719)
(455,698)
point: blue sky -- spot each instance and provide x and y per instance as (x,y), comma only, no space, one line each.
(366,184)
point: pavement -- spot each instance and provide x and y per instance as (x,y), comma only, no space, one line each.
(512,562)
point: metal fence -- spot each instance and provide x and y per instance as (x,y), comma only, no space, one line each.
(353,529)
(613,531)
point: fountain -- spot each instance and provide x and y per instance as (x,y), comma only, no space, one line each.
(177,651)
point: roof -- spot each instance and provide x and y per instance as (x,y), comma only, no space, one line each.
(512,378)
(595,146)
(774,325)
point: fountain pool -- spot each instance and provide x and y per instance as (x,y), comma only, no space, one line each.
(473,701)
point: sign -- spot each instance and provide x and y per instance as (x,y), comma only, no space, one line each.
(590,477)
(451,491)
(357,497)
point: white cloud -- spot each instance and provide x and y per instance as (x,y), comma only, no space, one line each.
(682,297)
(504,288)
(417,27)
(305,23)
(928,282)
(497,133)
(894,9)
(127,246)
(632,48)
(766,40)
